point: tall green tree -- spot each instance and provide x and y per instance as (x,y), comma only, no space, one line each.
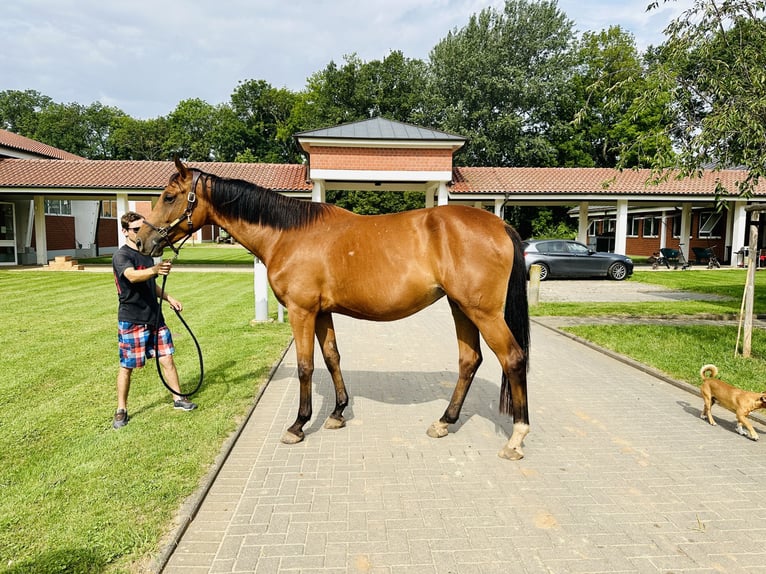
(609,79)
(712,65)
(260,122)
(190,129)
(140,139)
(393,88)
(502,81)
(19,110)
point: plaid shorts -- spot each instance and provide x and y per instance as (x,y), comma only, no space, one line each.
(137,343)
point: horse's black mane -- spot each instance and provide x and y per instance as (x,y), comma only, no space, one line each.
(252,203)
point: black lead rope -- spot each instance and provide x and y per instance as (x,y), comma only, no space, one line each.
(157,341)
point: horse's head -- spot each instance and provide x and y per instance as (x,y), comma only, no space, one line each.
(176,215)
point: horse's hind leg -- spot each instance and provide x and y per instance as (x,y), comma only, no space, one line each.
(469,348)
(325,331)
(514,365)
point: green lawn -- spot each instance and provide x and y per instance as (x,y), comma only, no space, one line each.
(78,497)
(75,495)
(199,254)
(680,351)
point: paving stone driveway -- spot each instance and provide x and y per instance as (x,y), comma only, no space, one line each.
(620,473)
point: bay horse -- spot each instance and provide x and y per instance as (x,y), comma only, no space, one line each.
(322,259)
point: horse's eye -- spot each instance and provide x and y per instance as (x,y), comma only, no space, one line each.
(169,198)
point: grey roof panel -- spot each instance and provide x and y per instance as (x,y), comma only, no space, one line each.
(380,128)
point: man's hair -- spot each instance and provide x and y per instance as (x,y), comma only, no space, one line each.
(129,217)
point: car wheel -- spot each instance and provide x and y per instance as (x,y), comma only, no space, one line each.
(618,271)
(544,271)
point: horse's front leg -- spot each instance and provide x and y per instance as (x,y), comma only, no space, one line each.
(325,331)
(302,324)
(469,348)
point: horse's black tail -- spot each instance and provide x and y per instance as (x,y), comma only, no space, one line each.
(517,319)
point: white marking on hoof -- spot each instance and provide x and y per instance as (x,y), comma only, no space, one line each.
(332,423)
(437,429)
(511,453)
(290,438)
(512,449)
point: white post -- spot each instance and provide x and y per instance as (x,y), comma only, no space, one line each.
(123,206)
(261,288)
(41,241)
(621,229)
(443,193)
(738,231)
(686,227)
(582,224)
(500,208)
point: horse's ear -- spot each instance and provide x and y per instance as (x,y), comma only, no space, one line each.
(180,167)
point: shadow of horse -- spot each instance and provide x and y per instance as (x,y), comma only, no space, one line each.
(408,388)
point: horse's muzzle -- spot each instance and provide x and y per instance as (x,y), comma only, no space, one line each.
(154,245)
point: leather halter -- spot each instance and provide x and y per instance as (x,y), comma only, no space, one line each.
(191,201)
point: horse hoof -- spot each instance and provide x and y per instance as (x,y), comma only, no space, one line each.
(290,438)
(332,423)
(437,430)
(511,453)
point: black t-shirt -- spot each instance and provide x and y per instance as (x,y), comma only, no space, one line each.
(138,301)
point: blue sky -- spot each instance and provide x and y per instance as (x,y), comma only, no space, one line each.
(145,56)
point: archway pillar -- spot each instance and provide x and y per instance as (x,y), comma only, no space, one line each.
(443,193)
(739,234)
(582,223)
(41,241)
(621,227)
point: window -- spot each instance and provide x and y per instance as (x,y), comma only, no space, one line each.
(633,223)
(708,221)
(58,207)
(676,222)
(652,226)
(109,209)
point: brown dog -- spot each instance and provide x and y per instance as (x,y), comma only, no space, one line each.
(740,402)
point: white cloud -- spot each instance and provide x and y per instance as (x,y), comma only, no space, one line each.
(145,56)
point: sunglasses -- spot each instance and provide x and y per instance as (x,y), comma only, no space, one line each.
(134,228)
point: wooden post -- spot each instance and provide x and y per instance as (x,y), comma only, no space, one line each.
(752,260)
(534,285)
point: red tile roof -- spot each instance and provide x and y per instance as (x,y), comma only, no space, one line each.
(139,175)
(21,144)
(601,181)
(520,181)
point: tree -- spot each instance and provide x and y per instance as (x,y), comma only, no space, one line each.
(393,88)
(502,82)
(261,114)
(140,139)
(712,67)
(190,127)
(609,79)
(19,110)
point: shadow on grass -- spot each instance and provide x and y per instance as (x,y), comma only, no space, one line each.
(71,561)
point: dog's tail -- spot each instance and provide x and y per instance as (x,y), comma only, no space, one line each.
(712,369)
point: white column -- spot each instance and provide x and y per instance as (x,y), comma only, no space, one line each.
(739,236)
(41,241)
(500,207)
(123,206)
(664,230)
(686,226)
(621,227)
(443,193)
(261,288)
(582,224)
(318,193)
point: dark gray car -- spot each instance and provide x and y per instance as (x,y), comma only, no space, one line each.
(566,258)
